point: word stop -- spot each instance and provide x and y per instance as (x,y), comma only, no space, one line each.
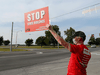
(36,15)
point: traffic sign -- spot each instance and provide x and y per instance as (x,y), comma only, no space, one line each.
(36,20)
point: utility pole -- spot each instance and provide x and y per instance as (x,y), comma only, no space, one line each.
(11,37)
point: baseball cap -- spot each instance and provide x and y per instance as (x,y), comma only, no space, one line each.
(81,34)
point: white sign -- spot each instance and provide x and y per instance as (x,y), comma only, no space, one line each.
(90,10)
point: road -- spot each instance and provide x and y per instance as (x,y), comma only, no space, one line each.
(13,60)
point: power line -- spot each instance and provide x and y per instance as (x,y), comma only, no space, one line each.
(75,11)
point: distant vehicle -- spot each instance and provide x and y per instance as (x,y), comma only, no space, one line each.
(16,45)
(93,46)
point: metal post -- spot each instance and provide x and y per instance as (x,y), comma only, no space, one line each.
(16,37)
(11,37)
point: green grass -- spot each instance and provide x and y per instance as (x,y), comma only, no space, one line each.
(96,46)
(35,47)
(7,49)
(88,46)
(43,47)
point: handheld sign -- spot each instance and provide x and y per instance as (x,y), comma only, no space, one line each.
(36,20)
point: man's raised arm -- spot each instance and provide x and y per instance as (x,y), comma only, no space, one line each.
(58,38)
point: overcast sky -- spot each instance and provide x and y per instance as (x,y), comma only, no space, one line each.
(13,11)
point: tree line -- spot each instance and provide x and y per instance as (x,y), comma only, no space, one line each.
(48,39)
(94,40)
(5,42)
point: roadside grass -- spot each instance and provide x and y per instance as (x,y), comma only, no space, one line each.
(89,46)
(4,48)
(96,46)
(8,49)
(43,47)
(36,47)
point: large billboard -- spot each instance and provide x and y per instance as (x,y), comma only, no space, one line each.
(36,20)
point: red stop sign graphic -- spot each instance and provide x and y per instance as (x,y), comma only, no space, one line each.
(36,20)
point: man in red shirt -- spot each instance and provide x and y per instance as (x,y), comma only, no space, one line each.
(80,54)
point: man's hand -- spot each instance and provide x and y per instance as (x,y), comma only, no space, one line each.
(49,27)
(57,37)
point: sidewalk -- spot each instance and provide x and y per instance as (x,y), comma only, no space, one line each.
(94,64)
(57,67)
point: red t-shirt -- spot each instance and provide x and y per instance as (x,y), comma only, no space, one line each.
(80,53)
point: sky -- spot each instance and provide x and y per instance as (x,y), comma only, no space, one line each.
(13,11)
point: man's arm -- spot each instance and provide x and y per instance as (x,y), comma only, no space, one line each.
(58,38)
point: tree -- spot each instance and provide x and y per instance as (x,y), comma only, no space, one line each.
(92,40)
(97,41)
(51,38)
(6,42)
(1,40)
(42,40)
(69,33)
(29,42)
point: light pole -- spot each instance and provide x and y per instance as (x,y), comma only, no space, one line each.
(17,36)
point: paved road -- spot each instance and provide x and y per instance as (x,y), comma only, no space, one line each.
(32,51)
(15,60)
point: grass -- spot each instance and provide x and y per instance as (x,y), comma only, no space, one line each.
(7,49)
(43,47)
(36,47)
(88,46)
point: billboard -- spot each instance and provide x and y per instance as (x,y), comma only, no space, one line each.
(36,20)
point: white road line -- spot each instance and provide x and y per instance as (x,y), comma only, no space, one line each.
(48,68)
(19,55)
(94,62)
(59,68)
(95,53)
(39,52)
(15,56)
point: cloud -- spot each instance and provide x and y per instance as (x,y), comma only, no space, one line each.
(69,6)
(88,30)
(13,11)
(22,36)
(5,32)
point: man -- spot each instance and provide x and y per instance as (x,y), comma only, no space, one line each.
(80,54)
